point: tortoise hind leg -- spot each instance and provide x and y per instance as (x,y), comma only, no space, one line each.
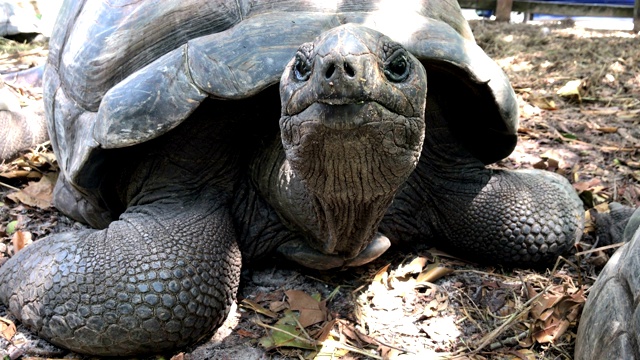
(517,218)
(161,277)
(20,129)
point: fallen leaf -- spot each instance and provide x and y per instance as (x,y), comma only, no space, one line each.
(571,88)
(324,332)
(12,227)
(523,354)
(7,328)
(277,306)
(179,356)
(12,174)
(331,349)
(586,185)
(311,310)
(607,129)
(381,275)
(247,334)
(414,267)
(38,194)
(554,311)
(543,103)
(20,239)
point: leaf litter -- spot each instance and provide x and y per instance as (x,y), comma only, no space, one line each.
(578,94)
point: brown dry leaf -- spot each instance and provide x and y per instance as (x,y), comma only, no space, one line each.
(178,357)
(554,312)
(7,328)
(586,185)
(543,103)
(11,174)
(247,334)
(324,332)
(38,194)
(523,354)
(571,88)
(311,310)
(20,239)
(607,129)
(277,306)
(414,267)
(381,274)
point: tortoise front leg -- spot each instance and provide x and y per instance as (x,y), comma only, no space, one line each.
(161,277)
(518,218)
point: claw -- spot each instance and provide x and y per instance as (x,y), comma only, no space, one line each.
(303,254)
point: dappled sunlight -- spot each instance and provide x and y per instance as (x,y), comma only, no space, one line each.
(579,99)
(397,22)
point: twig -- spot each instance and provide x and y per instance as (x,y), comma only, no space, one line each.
(495,333)
(308,341)
(9,186)
(509,341)
(315,343)
(612,246)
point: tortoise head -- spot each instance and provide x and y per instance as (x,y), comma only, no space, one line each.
(352,126)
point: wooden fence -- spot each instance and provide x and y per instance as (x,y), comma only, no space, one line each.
(504,7)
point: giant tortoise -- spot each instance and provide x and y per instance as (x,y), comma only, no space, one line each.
(196,136)
(609,327)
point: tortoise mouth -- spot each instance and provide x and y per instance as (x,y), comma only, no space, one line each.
(341,115)
(345,116)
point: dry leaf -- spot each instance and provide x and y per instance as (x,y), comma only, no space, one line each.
(7,328)
(583,186)
(38,194)
(554,311)
(607,129)
(178,357)
(381,275)
(543,103)
(323,334)
(311,310)
(20,239)
(247,334)
(571,88)
(277,306)
(523,354)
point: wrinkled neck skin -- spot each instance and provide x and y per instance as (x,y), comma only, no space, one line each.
(334,183)
(352,128)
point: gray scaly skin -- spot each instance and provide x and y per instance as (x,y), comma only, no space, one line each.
(357,162)
(20,128)
(160,277)
(519,218)
(609,327)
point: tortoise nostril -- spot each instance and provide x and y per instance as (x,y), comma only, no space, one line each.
(348,69)
(330,70)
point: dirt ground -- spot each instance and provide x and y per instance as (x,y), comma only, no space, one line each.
(579,96)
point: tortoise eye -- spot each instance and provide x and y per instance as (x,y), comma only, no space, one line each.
(301,68)
(397,67)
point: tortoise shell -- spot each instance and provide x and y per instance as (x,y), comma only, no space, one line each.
(122,72)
